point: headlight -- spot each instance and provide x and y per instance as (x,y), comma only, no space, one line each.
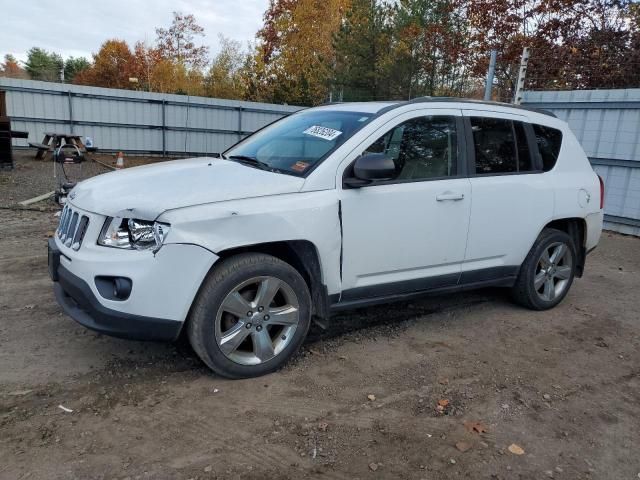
(131,233)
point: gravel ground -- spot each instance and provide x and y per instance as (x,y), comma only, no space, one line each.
(442,388)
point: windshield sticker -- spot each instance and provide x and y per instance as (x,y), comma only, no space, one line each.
(324,133)
(299,166)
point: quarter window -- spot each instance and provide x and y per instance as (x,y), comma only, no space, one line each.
(421,148)
(549,141)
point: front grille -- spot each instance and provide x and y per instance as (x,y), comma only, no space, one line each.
(72,227)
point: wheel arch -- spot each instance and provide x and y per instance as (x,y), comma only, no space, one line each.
(576,228)
(304,257)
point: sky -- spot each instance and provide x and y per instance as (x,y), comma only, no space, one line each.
(78,27)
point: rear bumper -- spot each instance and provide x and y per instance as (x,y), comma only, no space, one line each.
(78,301)
(594,223)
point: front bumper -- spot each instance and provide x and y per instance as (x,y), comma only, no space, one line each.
(79,302)
(163,287)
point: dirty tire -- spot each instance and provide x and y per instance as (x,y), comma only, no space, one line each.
(222,280)
(524,291)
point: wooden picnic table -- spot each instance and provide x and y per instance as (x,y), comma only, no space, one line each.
(53,140)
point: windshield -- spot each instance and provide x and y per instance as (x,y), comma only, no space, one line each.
(296,143)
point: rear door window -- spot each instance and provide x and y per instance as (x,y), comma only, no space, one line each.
(495,145)
(525,161)
(501,146)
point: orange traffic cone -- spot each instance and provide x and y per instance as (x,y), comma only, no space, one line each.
(120,161)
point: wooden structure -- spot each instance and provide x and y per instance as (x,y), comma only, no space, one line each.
(53,140)
(7,135)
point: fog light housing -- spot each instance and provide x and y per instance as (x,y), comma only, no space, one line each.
(114,288)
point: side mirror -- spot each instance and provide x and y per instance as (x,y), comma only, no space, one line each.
(371,167)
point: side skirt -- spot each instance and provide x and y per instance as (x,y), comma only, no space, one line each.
(358,297)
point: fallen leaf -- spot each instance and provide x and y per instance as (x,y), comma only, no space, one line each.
(477,427)
(371,397)
(463,446)
(516,449)
(443,403)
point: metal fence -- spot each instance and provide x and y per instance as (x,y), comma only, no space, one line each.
(607,124)
(131,121)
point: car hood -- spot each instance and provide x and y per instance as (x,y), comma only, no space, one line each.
(147,191)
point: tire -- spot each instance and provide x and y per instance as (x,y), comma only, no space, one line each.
(234,343)
(544,281)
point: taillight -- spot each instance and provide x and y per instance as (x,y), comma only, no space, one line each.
(601,192)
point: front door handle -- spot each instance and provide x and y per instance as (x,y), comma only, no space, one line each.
(449,196)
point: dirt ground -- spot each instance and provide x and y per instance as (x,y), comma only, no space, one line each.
(361,401)
(31,178)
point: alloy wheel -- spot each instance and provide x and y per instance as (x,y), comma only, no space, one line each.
(257,320)
(553,271)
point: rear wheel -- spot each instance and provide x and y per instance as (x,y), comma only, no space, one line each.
(251,315)
(548,271)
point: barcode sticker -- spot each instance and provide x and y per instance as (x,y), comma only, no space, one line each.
(325,133)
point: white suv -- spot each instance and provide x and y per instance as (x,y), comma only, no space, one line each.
(331,208)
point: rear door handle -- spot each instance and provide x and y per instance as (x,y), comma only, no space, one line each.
(449,196)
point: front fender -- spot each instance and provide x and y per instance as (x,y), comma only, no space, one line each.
(310,216)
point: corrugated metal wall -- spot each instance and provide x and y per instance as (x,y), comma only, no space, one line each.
(607,124)
(135,122)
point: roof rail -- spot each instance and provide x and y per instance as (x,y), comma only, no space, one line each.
(466,100)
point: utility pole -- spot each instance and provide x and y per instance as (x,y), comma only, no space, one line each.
(492,70)
(517,98)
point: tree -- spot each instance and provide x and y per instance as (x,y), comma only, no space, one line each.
(112,66)
(429,55)
(145,63)
(73,66)
(11,69)
(295,54)
(169,76)
(363,48)
(224,79)
(177,42)
(42,65)
(589,42)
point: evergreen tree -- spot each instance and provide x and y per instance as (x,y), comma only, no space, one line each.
(363,51)
(73,66)
(42,65)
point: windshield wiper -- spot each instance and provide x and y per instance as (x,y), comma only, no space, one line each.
(251,161)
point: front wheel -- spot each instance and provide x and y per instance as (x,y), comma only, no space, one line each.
(548,271)
(251,315)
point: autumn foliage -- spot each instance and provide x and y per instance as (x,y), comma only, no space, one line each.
(311,51)
(112,66)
